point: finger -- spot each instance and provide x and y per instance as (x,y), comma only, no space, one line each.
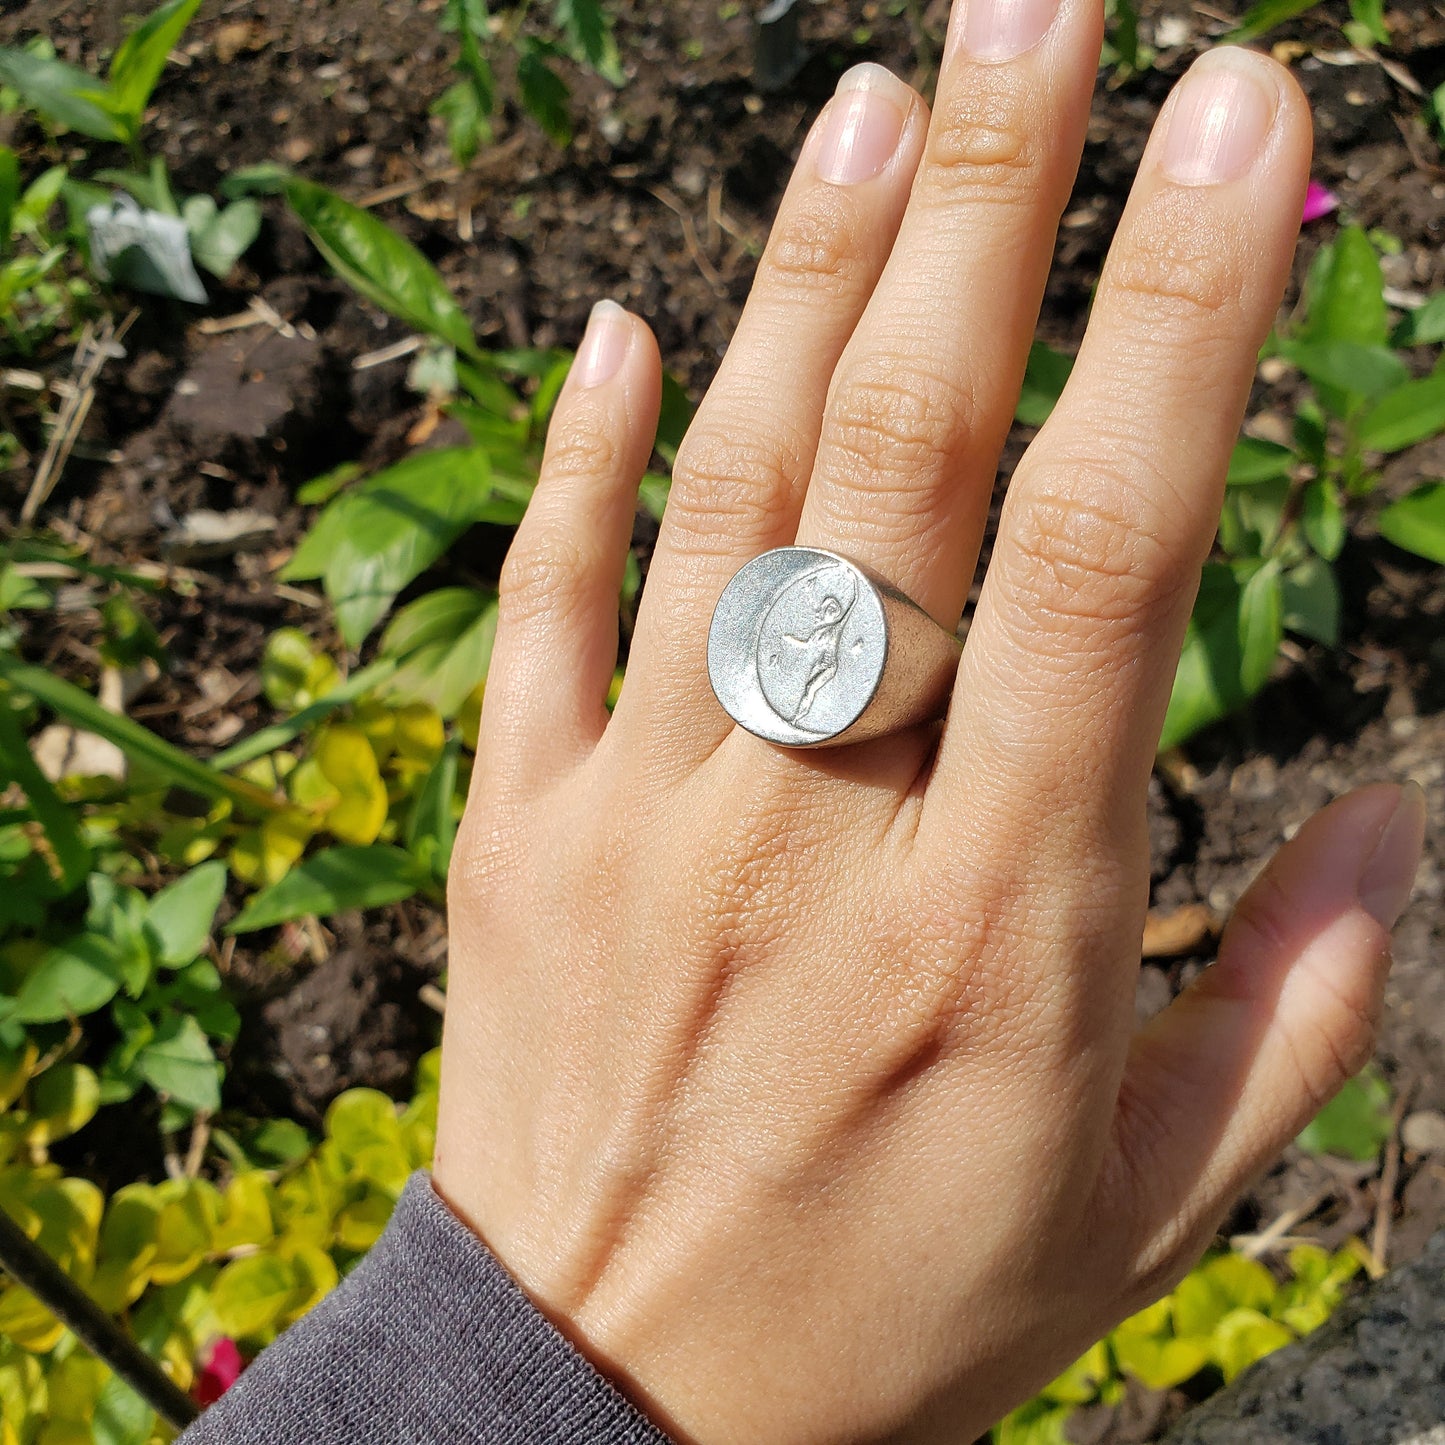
(1230,1072)
(925,393)
(556,644)
(737,484)
(1062,689)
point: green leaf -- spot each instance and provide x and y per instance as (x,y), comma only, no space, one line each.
(179,1063)
(62,829)
(268,739)
(431,829)
(446,639)
(1244,1336)
(674,418)
(653,494)
(1369,16)
(373,540)
(385,268)
(1345,293)
(1347,369)
(1355,1124)
(1322,517)
(62,1100)
(141,57)
(34,207)
(1310,597)
(1261,627)
(9,194)
(1255,460)
(1424,326)
(179,917)
(1229,647)
(1263,17)
(251,1295)
(1409,414)
(1416,522)
(544,93)
(332,881)
(220,238)
(293,673)
(71,979)
(1044,379)
(62,94)
(137,742)
(121,1416)
(589,36)
(1159,1362)
(1037,1422)
(264,179)
(467,118)
(1251,518)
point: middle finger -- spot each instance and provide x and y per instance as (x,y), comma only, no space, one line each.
(923,397)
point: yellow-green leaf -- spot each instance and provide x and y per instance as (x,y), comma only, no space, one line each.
(247,1217)
(251,1295)
(346,760)
(62,1100)
(1244,1336)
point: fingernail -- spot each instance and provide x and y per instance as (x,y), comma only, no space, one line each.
(864,125)
(604,345)
(1222,112)
(1001,29)
(1389,873)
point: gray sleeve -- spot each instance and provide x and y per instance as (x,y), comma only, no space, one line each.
(429,1341)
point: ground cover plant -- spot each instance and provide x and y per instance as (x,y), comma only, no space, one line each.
(232,770)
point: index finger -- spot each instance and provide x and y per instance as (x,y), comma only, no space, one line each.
(1064,682)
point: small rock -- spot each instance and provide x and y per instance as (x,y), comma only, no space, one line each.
(61,751)
(205,533)
(1424,1132)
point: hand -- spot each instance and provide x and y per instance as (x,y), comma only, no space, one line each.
(802,1089)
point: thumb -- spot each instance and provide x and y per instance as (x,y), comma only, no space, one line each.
(1229,1073)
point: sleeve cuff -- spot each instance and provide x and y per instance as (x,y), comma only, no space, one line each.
(429,1341)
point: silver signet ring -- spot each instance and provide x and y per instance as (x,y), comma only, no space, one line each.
(809,649)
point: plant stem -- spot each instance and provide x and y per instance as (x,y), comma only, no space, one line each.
(32,1268)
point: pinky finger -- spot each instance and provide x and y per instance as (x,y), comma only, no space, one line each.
(556,644)
(1230,1072)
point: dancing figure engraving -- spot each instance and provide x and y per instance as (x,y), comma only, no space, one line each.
(820,605)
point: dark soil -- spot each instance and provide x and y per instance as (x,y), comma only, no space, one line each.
(663,201)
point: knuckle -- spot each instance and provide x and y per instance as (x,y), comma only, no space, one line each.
(1101,561)
(900,423)
(582,450)
(984,145)
(815,247)
(1181,275)
(539,575)
(727,485)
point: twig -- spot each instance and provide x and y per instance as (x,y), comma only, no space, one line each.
(689,235)
(1389,1179)
(398,189)
(383,354)
(90,357)
(1277,1234)
(200,1137)
(30,1267)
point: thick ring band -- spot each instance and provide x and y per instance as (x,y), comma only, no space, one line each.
(809,649)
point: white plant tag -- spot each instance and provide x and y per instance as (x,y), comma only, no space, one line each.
(143,249)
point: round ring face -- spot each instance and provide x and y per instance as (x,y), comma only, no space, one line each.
(797,645)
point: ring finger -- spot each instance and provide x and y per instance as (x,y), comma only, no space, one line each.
(925,392)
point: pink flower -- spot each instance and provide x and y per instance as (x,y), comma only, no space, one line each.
(1319,201)
(219,1372)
